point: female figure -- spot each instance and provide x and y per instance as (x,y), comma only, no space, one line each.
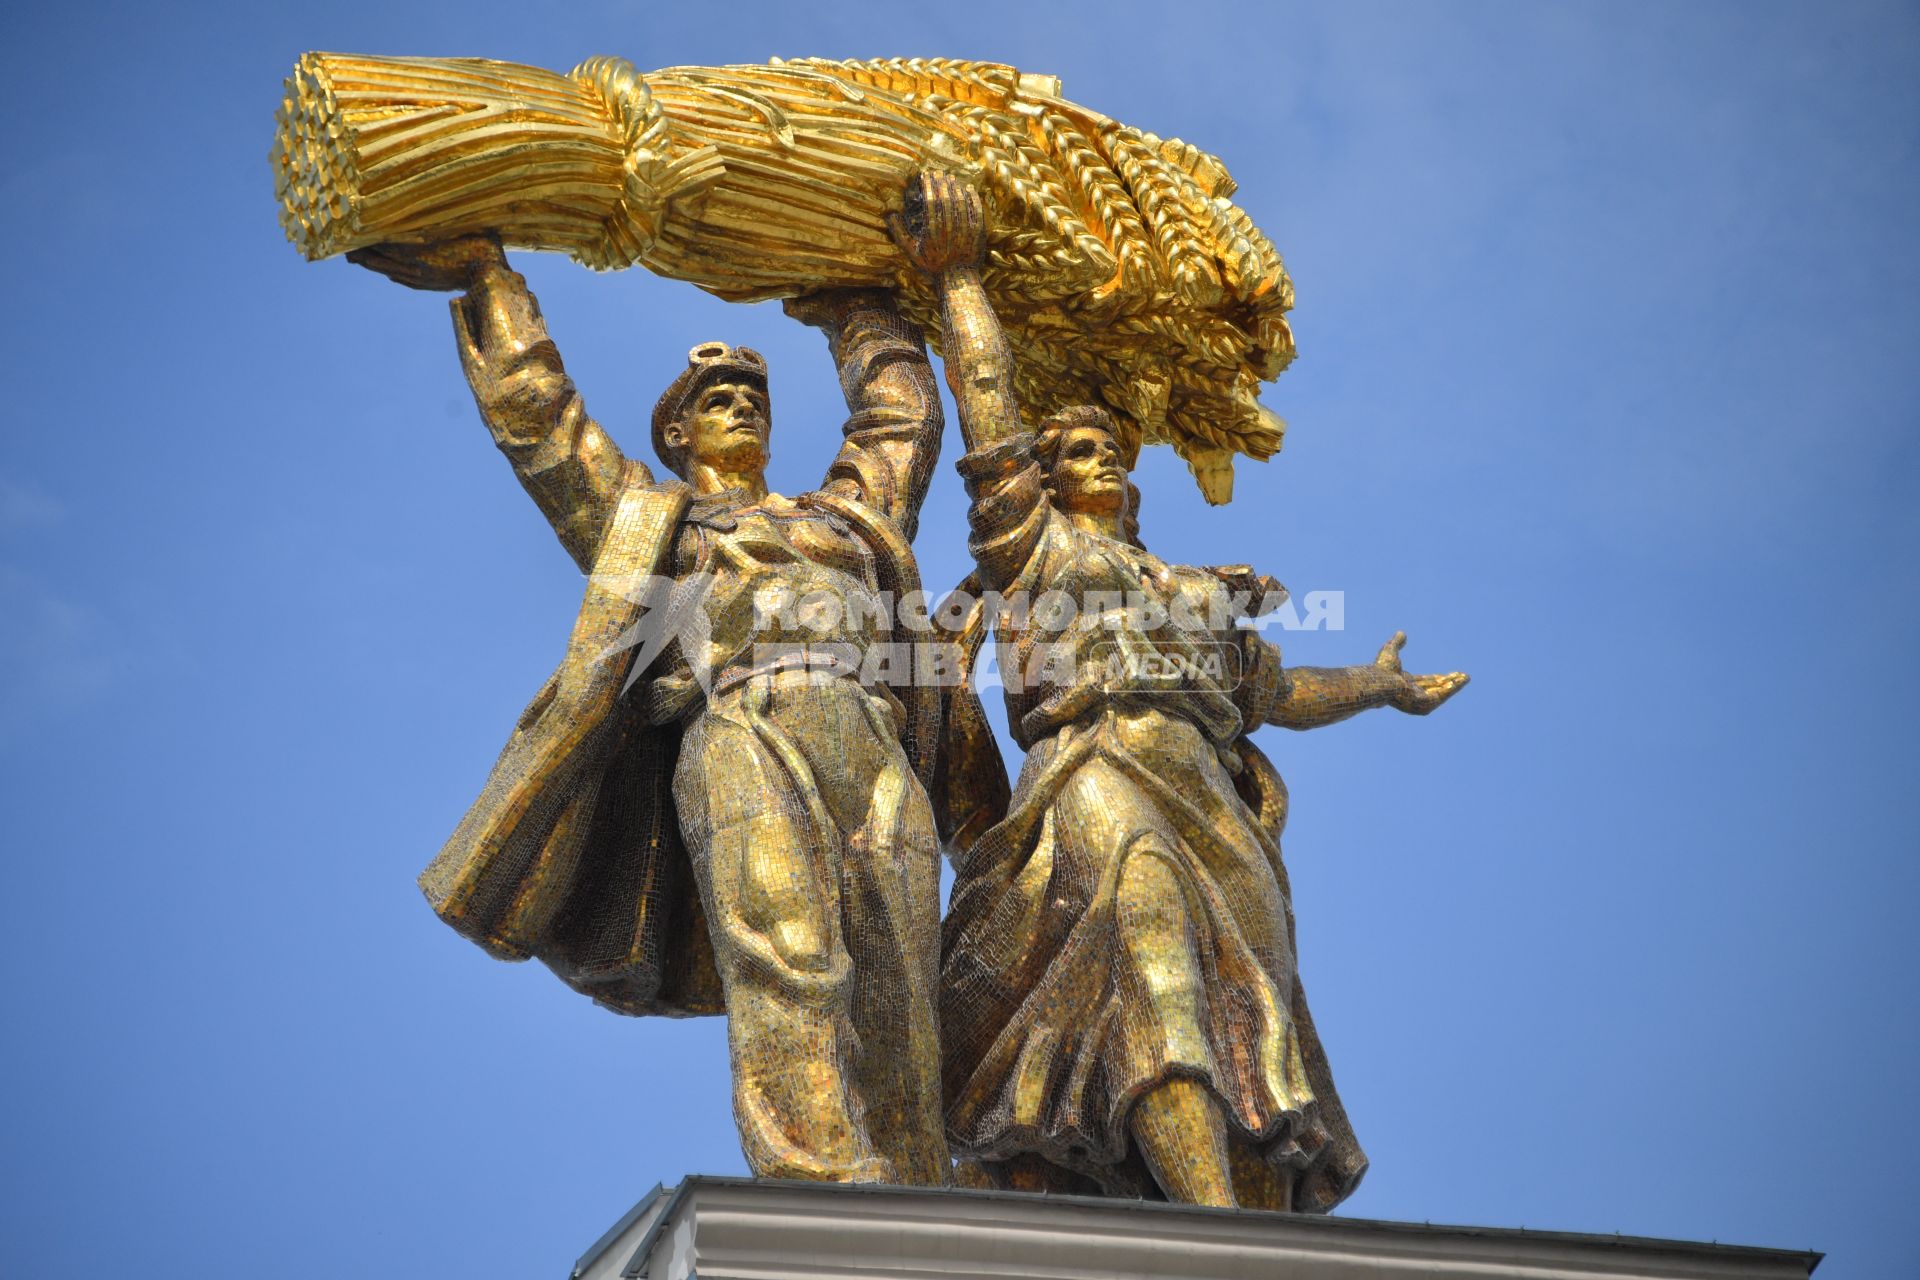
(1120,1007)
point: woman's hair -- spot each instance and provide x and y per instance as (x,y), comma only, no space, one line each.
(1046,451)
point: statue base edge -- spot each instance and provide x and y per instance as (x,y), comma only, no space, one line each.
(722,1228)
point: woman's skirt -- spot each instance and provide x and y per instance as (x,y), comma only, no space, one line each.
(1128,924)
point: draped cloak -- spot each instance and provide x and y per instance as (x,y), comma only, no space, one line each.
(572,853)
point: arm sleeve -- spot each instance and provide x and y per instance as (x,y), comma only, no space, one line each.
(1316,696)
(894,423)
(1009,512)
(569,465)
(979,360)
(1263,681)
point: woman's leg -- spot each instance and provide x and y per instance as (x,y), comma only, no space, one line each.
(1257,1182)
(1178,1127)
(1177,1124)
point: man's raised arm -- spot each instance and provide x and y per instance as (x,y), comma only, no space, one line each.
(894,420)
(570,466)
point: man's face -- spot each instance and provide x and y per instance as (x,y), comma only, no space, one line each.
(1088,474)
(725,428)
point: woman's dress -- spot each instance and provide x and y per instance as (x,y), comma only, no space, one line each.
(1128,921)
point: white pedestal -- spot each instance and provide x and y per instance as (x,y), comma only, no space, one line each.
(738,1229)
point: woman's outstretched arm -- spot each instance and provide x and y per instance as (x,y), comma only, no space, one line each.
(1315,696)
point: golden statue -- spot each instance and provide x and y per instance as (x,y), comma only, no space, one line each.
(1125,274)
(792,789)
(1121,1008)
(718,804)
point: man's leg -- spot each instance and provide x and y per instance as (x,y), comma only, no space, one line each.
(892,909)
(773,906)
(890,917)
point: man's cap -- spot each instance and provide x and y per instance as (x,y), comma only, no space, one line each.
(708,363)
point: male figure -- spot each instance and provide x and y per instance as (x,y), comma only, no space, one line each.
(797,790)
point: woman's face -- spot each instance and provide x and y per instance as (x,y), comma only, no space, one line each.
(1087,474)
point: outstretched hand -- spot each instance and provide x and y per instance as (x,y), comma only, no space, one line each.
(440,267)
(1417,695)
(942,223)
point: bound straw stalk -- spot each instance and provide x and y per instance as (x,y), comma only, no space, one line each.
(1123,272)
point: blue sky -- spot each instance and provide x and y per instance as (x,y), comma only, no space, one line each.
(1606,394)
